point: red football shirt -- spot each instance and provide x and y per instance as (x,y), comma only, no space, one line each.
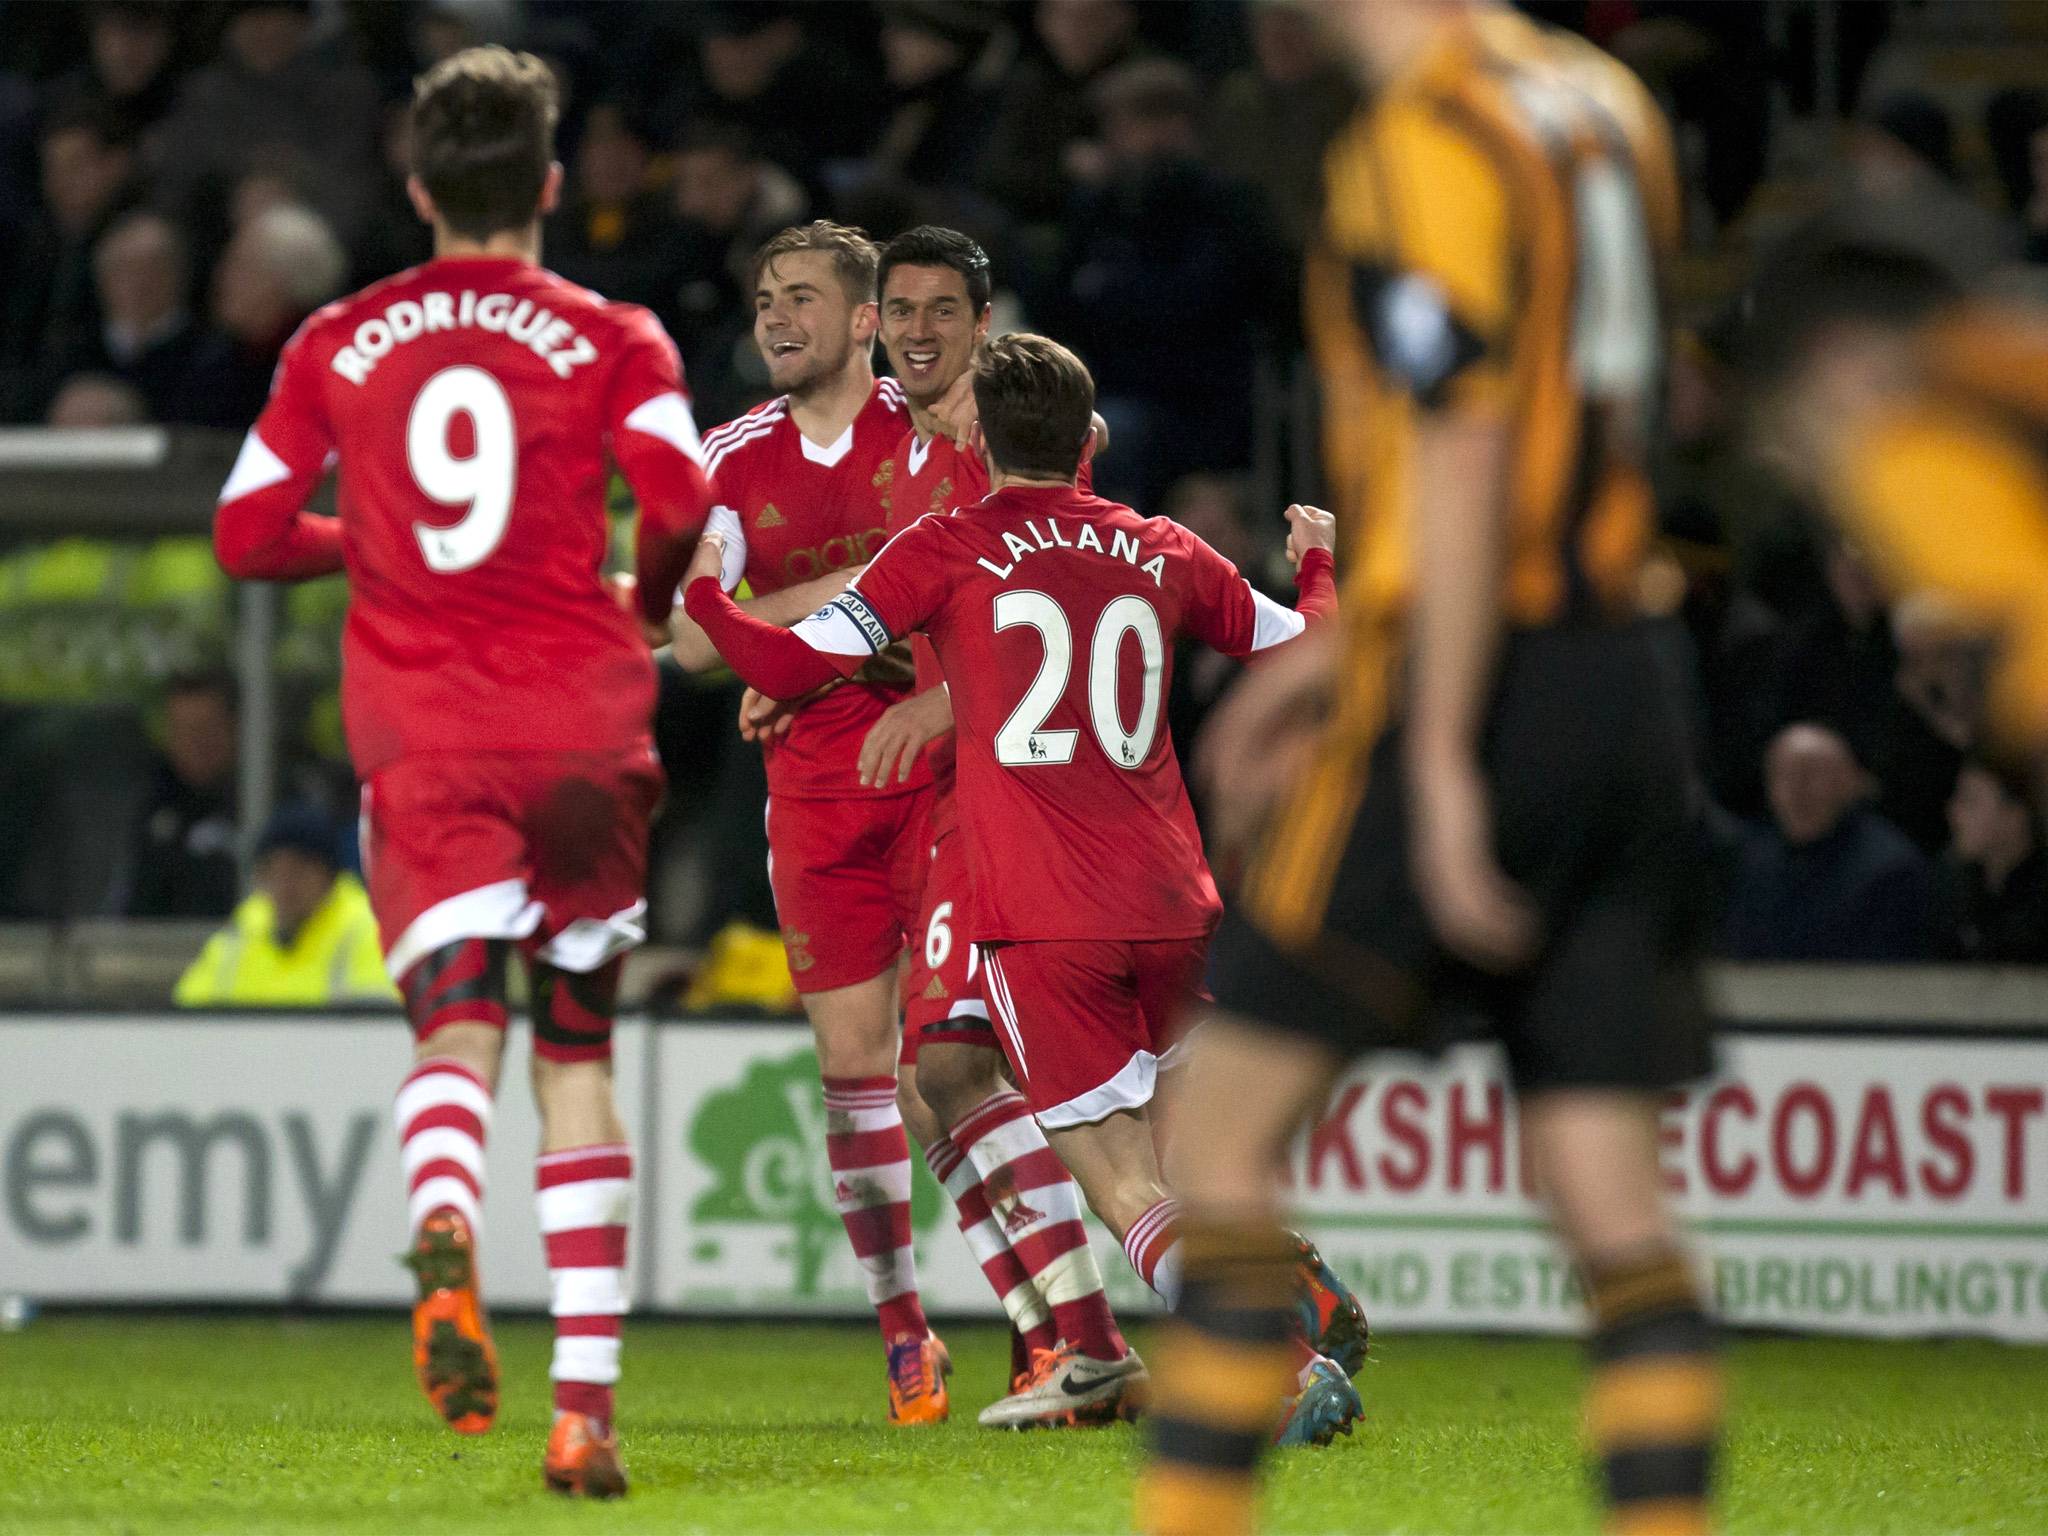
(932,479)
(1054,614)
(469,404)
(801,511)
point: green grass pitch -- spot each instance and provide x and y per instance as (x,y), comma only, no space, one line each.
(145,1424)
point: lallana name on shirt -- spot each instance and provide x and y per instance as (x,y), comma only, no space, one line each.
(539,329)
(1087,541)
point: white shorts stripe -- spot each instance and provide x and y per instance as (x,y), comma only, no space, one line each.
(501,910)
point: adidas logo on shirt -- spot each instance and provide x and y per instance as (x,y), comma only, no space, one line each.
(769,518)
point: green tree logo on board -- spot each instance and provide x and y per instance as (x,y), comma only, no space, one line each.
(763,1141)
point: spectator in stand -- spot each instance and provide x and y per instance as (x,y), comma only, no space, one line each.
(1274,118)
(1043,140)
(281,265)
(49,307)
(1992,896)
(942,59)
(805,102)
(146,335)
(729,199)
(1830,879)
(271,88)
(97,400)
(615,229)
(129,72)
(1164,279)
(304,938)
(182,856)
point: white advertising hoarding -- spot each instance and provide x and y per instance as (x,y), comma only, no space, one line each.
(1856,1183)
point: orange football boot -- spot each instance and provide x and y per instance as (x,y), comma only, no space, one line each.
(583,1458)
(918,1368)
(451,1342)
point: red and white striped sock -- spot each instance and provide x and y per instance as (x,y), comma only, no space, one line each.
(585,1197)
(443,1112)
(1006,1273)
(1153,1247)
(1038,1205)
(870,1157)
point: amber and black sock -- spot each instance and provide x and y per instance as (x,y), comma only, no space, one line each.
(1223,1368)
(1653,1405)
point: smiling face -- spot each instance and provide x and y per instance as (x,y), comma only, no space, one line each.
(805,323)
(929,329)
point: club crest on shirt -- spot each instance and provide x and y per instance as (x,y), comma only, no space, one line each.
(942,497)
(885,477)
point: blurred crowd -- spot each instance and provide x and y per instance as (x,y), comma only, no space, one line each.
(181,183)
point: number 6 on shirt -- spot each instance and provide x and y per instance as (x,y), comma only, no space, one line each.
(482,482)
(1021,743)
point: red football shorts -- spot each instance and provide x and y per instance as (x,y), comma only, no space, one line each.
(543,846)
(847,876)
(1088,1024)
(942,997)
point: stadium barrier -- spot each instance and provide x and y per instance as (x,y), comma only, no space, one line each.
(1873,1159)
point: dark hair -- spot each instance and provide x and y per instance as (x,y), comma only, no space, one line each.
(1813,285)
(929,245)
(483,136)
(853,254)
(1037,405)
(217,681)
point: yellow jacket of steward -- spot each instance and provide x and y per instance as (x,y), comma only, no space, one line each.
(334,958)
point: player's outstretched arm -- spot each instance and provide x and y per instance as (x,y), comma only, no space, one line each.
(781,663)
(693,649)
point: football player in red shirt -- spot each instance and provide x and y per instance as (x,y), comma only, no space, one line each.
(497,695)
(802,486)
(1017,1204)
(1052,614)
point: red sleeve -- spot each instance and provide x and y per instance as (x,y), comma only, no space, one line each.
(654,439)
(778,662)
(901,589)
(261,528)
(1316,580)
(1225,612)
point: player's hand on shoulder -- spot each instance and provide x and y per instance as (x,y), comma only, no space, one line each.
(956,411)
(904,729)
(1309,528)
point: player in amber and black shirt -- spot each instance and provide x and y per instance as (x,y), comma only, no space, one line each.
(1494,810)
